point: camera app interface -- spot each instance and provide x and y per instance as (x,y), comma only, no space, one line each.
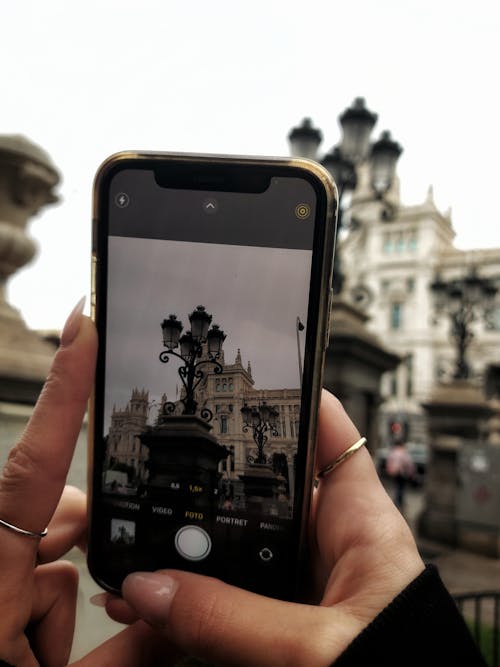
(206,320)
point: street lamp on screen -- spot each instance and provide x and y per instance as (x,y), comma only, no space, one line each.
(261,419)
(199,347)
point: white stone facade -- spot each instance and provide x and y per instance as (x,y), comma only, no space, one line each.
(389,265)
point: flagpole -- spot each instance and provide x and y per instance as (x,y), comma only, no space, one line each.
(299,327)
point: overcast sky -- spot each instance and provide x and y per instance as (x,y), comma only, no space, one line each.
(87,79)
(254,294)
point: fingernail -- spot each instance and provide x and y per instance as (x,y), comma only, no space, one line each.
(150,594)
(72,326)
(99,599)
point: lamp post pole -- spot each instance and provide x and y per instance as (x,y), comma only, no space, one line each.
(298,328)
(458,409)
(343,160)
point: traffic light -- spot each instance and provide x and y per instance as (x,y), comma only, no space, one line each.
(398,430)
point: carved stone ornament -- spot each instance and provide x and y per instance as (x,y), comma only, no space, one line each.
(27,181)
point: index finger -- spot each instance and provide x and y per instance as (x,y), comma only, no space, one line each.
(356,521)
(336,431)
(351,492)
(34,475)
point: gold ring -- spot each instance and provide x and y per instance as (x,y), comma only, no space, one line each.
(340,459)
(21,531)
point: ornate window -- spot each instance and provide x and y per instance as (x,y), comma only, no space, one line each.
(223,424)
(226,384)
(409,375)
(494,319)
(393,384)
(400,242)
(396,316)
(387,243)
(412,241)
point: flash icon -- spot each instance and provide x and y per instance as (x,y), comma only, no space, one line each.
(122,200)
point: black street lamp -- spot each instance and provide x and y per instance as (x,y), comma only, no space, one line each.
(342,161)
(384,155)
(305,140)
(262,419)
(464,300)
(199,346)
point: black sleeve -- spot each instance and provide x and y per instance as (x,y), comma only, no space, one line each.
(421,627)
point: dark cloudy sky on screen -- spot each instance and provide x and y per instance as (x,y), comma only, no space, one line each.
(254,294)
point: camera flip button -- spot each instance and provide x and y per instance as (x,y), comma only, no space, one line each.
(266,554)
(193,543)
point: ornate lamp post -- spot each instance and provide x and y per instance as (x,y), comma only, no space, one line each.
(198,347)
(464,300)
(456,413)
(262,419)
(344,159)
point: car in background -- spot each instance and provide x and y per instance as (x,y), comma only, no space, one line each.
(419,453)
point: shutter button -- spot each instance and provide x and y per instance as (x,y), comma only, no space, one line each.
(193,543)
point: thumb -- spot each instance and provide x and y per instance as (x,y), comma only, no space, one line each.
(208,619)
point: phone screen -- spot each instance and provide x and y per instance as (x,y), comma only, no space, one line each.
(205,303)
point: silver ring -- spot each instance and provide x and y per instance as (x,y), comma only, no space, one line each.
(340,459)
(21,531)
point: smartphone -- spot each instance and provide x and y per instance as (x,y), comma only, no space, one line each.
(211,293)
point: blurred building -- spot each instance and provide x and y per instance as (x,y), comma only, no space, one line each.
(391,255)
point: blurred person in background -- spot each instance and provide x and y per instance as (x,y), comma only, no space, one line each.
(401,469)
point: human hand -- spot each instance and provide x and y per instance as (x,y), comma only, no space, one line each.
(364,555)
(38,594)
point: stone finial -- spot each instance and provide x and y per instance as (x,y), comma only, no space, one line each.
(249,369)
(27,181)
(430,195)
(238,358)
